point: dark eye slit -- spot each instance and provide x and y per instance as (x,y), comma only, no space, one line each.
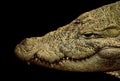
(88,35)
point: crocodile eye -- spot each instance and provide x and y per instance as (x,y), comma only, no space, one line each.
(88,35)
(92,35)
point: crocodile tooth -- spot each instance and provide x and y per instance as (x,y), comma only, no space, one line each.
(67,58)
(51,65)
(60,63)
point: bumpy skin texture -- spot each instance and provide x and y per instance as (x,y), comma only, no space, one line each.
(90,43)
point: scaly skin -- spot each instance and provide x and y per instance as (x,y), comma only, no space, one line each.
(90,43)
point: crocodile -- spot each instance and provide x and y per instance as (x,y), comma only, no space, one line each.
(90,43)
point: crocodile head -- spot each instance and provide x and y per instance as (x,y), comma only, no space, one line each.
(89,43)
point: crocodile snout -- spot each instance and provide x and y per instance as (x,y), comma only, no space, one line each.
(26,49)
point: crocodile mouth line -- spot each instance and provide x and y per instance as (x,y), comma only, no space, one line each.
(42,61)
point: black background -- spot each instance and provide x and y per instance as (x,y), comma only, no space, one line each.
(30,19)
